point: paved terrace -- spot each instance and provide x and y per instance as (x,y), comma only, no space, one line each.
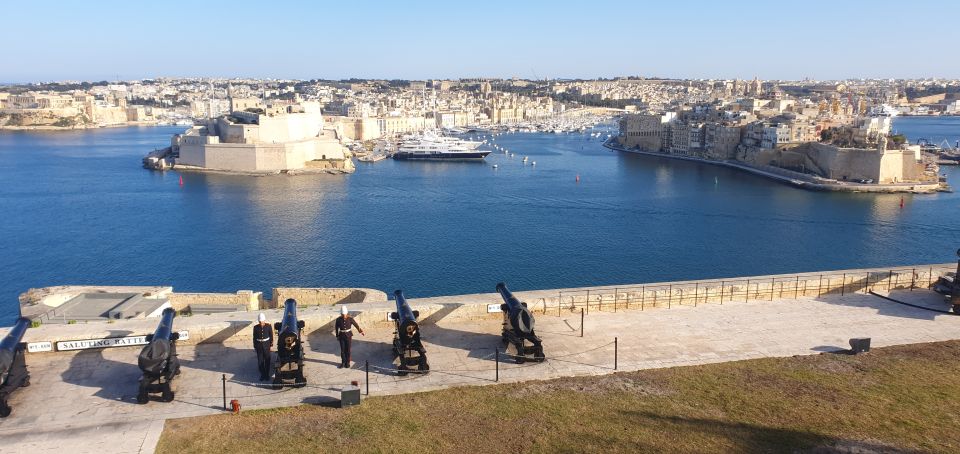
(85,400)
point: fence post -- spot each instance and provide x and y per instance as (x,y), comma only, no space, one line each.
(616,294)
(614,353)
(643,296)
(746,298)
(581,322)
(913,278)
(670,297)
(820,287)
(366,368)
(929,277)
(866,286)
(696,293)
(773,283)
(890,281)
(723,286)
(843,285)
(796,285)
(224,378)
(497,360)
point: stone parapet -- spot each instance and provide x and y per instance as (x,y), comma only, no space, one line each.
(215,328)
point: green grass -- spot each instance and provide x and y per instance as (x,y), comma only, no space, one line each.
(895,399)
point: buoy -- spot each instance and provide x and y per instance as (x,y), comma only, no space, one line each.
(181,180)
(494,166)
(901,201)
(578,178)
(533,163)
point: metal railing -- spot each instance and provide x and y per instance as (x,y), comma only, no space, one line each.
(719,291)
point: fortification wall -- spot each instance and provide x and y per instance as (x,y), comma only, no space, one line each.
(325,296)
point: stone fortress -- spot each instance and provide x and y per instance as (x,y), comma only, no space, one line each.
(258,138)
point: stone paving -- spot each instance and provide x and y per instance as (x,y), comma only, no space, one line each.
(84,401)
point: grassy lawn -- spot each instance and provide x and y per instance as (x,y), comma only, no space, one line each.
(895,399)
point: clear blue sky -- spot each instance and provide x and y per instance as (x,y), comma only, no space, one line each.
(96,40)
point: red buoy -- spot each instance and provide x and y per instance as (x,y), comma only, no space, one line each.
(181,180)
(578,178)
(901,201)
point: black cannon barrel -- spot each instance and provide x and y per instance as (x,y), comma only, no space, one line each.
(290,324)
(155,357)
(9,345)
(521,320)
(404,313)
(13,338)
(164,329)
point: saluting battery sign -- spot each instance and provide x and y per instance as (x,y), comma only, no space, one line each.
(108,342)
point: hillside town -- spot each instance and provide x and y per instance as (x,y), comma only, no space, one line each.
(839,131)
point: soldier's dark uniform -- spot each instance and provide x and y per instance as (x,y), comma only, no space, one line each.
(343,327)
(262,342)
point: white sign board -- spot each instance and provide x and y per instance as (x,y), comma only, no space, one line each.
(36,347)
(101,343)
(109,342)
(491,308)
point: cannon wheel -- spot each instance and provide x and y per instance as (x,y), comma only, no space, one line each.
(956,308)
(538,355)
(277,381)
(167,395)
(402,368)
(301,380)
(26,382)
(423,363)
(4,408)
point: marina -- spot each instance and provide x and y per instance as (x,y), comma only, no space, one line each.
(222,232)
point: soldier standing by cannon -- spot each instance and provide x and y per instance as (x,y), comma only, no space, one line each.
(262,343)
(343,328)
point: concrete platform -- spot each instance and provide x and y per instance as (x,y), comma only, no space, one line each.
(85,400)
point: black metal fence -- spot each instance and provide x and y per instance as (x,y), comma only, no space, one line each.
(720,291)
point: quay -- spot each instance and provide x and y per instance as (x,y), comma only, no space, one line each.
(86,398)
(798,179)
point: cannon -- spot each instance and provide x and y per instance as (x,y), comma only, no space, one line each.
(158,360)
(289,363)
(13,365)
(948,285)
(518,327)
(406,340)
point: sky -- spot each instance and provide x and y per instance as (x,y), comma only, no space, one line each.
(123,40)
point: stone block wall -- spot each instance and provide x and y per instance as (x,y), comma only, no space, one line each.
(247,298)
(325,296)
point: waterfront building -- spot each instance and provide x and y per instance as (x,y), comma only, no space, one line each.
(271,139)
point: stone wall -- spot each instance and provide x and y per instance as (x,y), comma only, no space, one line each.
(247,298)
(325,296)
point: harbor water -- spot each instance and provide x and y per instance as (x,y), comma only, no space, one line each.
(78,209)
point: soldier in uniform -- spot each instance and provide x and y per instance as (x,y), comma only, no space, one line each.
(343,328)
(262,342)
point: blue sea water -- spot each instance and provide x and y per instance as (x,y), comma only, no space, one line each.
(78,209)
